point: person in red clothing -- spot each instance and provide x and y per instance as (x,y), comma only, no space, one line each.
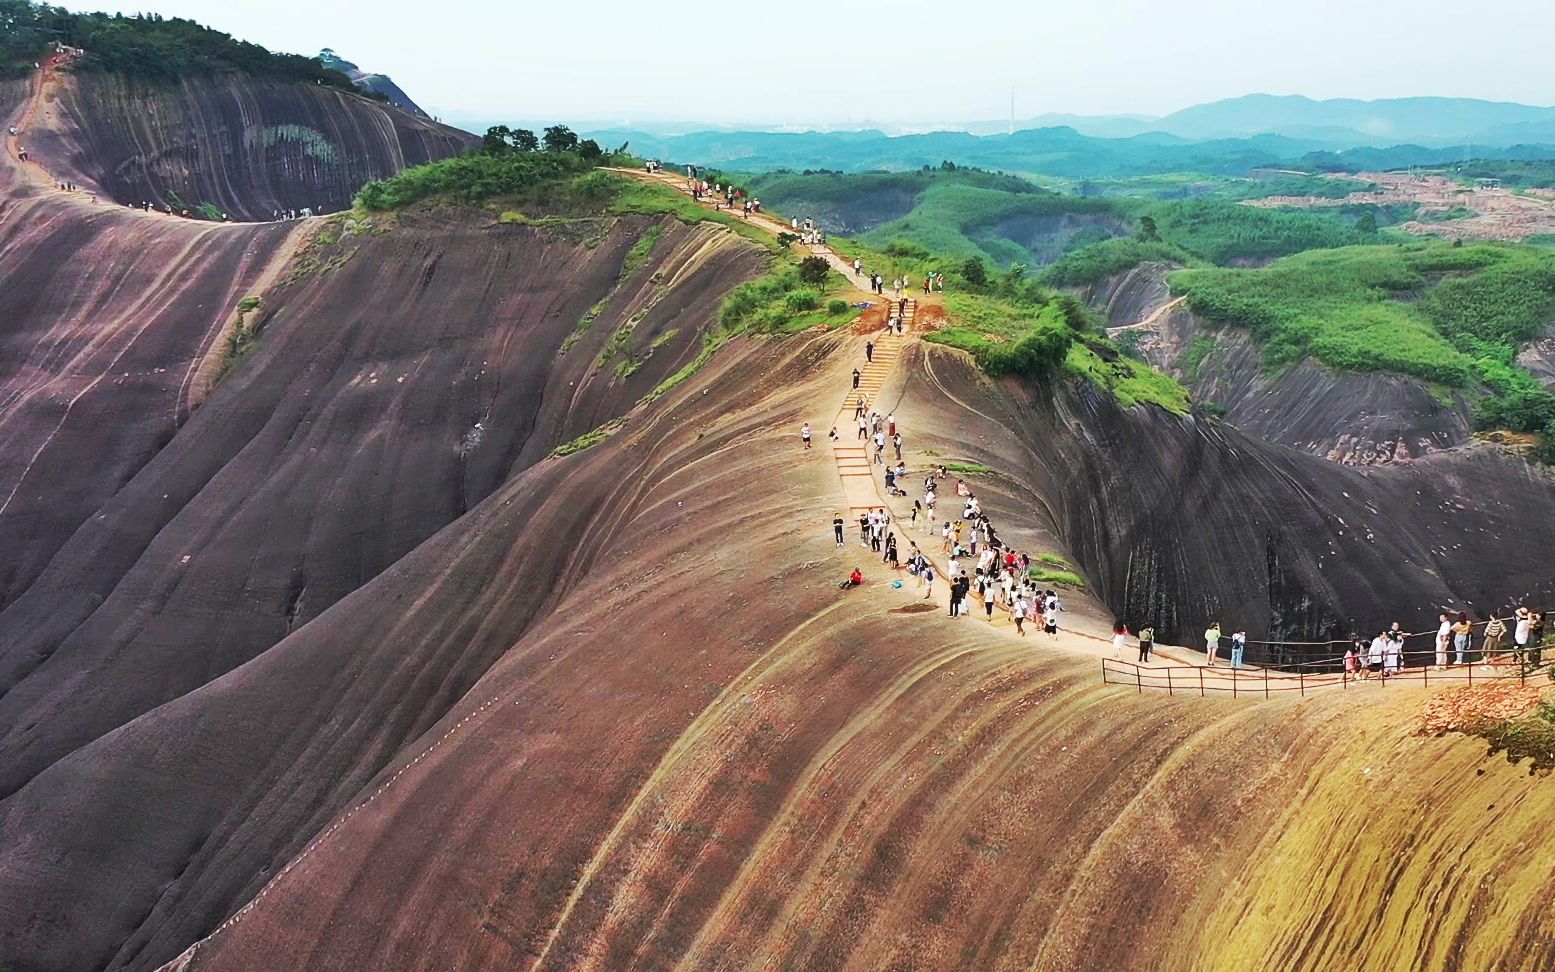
(855,579)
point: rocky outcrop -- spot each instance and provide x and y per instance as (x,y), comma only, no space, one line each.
(1181,520)
(1131,296)
(247,148)
(557,736)
(1046,238)
(400,377)
(1538,356)
(1345,417)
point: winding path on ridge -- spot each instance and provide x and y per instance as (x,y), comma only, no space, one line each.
(859,489)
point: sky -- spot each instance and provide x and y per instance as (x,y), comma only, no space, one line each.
(903,62)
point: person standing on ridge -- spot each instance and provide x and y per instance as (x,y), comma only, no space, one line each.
(1461,633)
(1443,639)
(804,434)
(1211,643)
(1521,633)
(1495,630)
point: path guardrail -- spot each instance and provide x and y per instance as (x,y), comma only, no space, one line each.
(1248,681)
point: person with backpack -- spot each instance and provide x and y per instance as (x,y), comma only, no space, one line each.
(1146,642)
(1238,648)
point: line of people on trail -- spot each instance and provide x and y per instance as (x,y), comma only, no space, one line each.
(933,283)
(808,231)
(977,558)
(1384,655)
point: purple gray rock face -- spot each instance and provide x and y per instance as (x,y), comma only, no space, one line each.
(247,148)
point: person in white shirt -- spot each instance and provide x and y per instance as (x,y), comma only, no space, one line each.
(1443,639)
(1522,632)
(804,433)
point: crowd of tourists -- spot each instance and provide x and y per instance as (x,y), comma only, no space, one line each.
(1518,638)
(976,559)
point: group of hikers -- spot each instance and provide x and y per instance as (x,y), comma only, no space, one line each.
(808,231)
(933,283)
(977,559)
(1384,653)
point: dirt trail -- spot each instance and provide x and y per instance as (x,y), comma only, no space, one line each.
(861,491)
(1150,321)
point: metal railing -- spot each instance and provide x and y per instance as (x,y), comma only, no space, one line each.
(1248,681)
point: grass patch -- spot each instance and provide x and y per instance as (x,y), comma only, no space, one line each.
(1193,357)
(638,254)
(243,339)
(1060,578)
(589,439)
(1128,381)
(1054,560)
(967,468)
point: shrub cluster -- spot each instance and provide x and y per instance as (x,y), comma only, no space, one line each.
(146,46)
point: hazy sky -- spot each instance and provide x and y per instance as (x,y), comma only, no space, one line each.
(904,61)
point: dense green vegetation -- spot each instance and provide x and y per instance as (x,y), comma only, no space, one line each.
(1222,232)
(1451,315)
(501,170)
(1006,222)
(1098,261)
(145,46)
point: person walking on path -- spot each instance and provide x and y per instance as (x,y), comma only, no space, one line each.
(1146,642)
(863,427)
(1211,643)
(1019,612)
(836,528)
(869,351)
(896,442)
(880,448)
(927,574)
(804,434)
(1238,648)
(890,551)
(1119,637)
(858,267)
(862,408)
(856,377)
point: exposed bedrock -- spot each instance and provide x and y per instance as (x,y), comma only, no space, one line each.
(1345,417)
(399,378)
(679,743)
(1180,520)
(1131,296)
(105,319)
(246,147)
